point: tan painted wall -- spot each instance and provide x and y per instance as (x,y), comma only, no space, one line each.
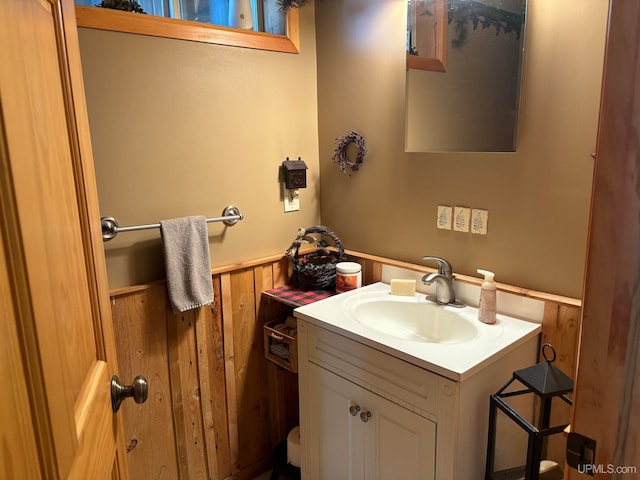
(176,131)
(538,198)
(182,128)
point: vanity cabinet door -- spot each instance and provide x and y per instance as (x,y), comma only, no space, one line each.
(399,444)
(356,434)
(335,435)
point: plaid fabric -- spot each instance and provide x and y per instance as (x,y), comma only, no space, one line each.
(296,296)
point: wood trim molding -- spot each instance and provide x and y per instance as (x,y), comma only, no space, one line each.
(118,21)
(523,292)
(608,377)
(90,212)
(374,259)
(115,292)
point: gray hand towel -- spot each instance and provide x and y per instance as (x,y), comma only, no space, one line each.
(186,256)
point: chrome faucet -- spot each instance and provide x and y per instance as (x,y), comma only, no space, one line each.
(445,294)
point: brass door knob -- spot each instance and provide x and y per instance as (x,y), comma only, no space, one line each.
(354,408)
(139,390)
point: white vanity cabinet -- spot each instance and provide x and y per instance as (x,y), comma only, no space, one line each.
(395,429)
(421,425)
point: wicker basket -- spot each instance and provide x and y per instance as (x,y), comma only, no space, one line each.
(315,270)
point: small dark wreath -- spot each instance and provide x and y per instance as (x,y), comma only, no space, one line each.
(340,153)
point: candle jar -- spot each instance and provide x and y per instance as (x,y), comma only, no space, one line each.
(348,276)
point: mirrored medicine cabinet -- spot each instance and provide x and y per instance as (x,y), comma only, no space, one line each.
(464,69)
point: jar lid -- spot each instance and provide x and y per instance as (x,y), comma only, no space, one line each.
(348,267)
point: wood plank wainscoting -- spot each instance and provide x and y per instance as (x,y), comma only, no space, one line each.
(216,407)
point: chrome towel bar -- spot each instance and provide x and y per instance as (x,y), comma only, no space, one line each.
(110,228)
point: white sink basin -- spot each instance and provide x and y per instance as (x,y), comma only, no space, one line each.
(446,340)
(415,320)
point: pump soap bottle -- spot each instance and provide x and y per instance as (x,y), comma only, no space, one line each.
(487,307)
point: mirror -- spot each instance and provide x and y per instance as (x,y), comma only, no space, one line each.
(464,96)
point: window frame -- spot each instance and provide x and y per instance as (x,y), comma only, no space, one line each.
(128,22)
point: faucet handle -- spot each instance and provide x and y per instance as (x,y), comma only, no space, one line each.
(444,267)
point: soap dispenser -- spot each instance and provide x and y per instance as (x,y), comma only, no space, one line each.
(487,307)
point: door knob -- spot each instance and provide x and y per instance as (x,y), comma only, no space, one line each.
(354,408)
(139,390)
(365,415)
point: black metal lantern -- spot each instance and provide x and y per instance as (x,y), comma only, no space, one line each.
(546,381)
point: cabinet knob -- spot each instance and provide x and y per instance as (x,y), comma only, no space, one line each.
(365,415)
(354,408)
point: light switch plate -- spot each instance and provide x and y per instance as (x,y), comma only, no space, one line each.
(291,200)
(461,217)
(443,220)
(479,221)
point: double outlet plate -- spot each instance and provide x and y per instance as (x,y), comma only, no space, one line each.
(462,219)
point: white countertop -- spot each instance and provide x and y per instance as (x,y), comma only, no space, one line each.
(457,361)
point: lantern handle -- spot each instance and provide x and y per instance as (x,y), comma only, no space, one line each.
(544,354)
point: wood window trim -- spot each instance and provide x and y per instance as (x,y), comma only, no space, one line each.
(119,21)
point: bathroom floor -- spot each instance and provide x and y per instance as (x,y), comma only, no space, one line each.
(264,476)
(267,475)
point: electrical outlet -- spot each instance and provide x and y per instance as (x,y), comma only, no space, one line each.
(443,220)
(291,200)
(461,217)
(479,221)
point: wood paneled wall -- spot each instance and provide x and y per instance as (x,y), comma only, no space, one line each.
(217,408)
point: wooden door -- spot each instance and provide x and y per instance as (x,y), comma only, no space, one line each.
(58,355)
(607,399)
